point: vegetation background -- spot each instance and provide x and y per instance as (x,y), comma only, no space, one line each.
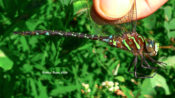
(25,60)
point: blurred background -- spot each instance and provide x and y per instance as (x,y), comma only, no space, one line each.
(54,66)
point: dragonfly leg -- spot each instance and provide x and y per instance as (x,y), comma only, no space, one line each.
(154,61)
(133,62)
(142,65)
(147,64)
(147,67)
(147,76)
(135,68)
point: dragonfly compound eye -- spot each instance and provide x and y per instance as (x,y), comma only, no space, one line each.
(152,47)
(156,47)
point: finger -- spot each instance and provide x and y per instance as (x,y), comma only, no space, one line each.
(110,10)
(147,7)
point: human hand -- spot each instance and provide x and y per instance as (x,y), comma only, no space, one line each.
(112,10)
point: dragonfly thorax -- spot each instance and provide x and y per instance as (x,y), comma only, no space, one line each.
(131,41)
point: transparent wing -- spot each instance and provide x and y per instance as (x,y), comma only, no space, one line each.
(82,13)
(134,17)
(125,24)
(82,8)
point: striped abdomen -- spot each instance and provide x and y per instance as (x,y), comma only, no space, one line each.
(65,34)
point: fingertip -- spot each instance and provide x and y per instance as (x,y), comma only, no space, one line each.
(148,7)
(112,9)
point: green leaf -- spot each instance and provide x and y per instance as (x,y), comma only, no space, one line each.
(24,43)
(170,61)
(53,48)
(148,85)
(32,24)
(172,34)
(86,46)
(115,67)
(37,57)
(65,2)
(33,41)
(1,4)
(33,88)
(27,68)
(160,81)
(5,63)
(63,90)
(120,78)
(147,89)
(166,25)
(80,6)
(126,91)
(168,12)
(149,22)
(42,89)
(172,24)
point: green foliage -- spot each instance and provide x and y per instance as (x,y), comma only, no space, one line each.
(54,66)
(5,63)
(148,85)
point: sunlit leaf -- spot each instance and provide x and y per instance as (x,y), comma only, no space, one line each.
(33,88)
(172,34)
(63,90)
(148,85)
(24,43)
(160,81)
(168,12)
(5,63)
(126,91)
(42,90)
(170,61)
(80,6)
(147,88)
(172,24)
(65,2)
(120,78)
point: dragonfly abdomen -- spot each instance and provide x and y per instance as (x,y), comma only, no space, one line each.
(65,34)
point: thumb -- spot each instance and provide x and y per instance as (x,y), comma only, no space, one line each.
(107,11)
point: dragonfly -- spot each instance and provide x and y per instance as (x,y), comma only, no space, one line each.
(128,40)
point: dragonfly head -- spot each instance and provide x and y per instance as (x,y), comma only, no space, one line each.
(151,47)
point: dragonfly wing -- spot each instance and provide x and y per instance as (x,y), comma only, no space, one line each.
(134,16)
(125,24)
(128,22)
(82,12)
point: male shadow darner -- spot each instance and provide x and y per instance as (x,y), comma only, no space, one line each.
(128,40)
